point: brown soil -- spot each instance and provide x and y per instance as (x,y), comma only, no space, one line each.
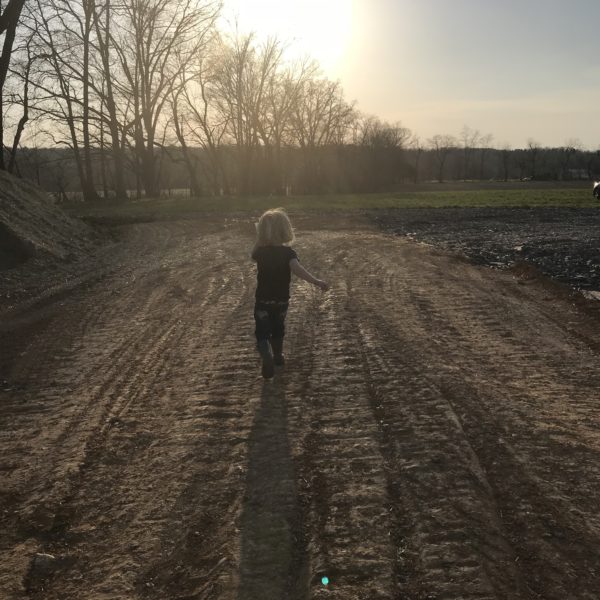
(32,225)
(42,249)
(562,242)
(434,434)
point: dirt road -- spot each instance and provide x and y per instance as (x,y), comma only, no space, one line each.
(434,435)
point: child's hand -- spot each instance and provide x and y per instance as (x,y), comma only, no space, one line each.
(323,285)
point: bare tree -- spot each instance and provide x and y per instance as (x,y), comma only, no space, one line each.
(377,133)
(9,20)
(178,125)
(566,153)
(196,118)
(417,146)
(321,114)
(63,44)
(485,143)
(85,30)
(102,23)
(60,177)
(385,144)
(283,94)
(148,83)
(241,97)
(469,139)
(593,164)
(25,74)
(505,154)
(522,161)
(152,39)
(321,117)
(533,149)
(442,146)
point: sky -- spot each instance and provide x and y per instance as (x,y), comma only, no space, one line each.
(515,69)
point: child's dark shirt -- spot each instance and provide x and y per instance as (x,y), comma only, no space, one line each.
(273,275)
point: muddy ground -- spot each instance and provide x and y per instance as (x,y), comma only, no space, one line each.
(563,243)
(434,434)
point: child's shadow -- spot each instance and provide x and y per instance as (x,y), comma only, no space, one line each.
(272,553)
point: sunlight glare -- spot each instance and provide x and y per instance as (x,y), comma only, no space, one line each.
(321,29)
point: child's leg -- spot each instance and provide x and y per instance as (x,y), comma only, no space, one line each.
(277,333)
(278,356)
(263,333)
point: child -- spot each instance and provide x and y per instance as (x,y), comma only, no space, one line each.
(275,262)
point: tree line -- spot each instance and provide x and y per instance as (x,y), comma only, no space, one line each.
(130,97)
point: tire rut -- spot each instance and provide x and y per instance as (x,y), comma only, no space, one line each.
(432,436)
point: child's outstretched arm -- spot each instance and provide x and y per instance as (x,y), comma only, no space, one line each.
(300,271)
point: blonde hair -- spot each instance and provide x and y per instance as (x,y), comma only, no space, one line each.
(274,228)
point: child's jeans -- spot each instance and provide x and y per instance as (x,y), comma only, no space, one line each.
(270,319)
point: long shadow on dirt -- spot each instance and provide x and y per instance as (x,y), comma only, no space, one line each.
(273,564)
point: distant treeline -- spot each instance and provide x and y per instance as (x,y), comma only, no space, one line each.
(141,96)
(327,169)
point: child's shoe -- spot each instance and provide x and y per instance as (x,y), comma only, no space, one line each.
(278,357)
(266,353)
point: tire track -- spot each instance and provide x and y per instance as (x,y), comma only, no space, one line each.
(340,469)
(121,363)
(501,385)
(433,434)
(191,391)
(455,542)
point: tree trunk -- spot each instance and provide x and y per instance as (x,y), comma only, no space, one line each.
(195,188)
(89,189)
(148,164)
(23,120)
(103,169)
(2,166)
(441,172)
(113,122)
(417,160)
(20,127)
(9,20)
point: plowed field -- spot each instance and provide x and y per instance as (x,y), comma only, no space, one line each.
(435,433)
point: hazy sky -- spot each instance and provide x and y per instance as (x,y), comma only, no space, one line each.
(517,69)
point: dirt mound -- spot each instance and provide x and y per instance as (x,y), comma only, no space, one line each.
(31,225)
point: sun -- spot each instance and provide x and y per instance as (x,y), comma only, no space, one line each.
(321,29)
